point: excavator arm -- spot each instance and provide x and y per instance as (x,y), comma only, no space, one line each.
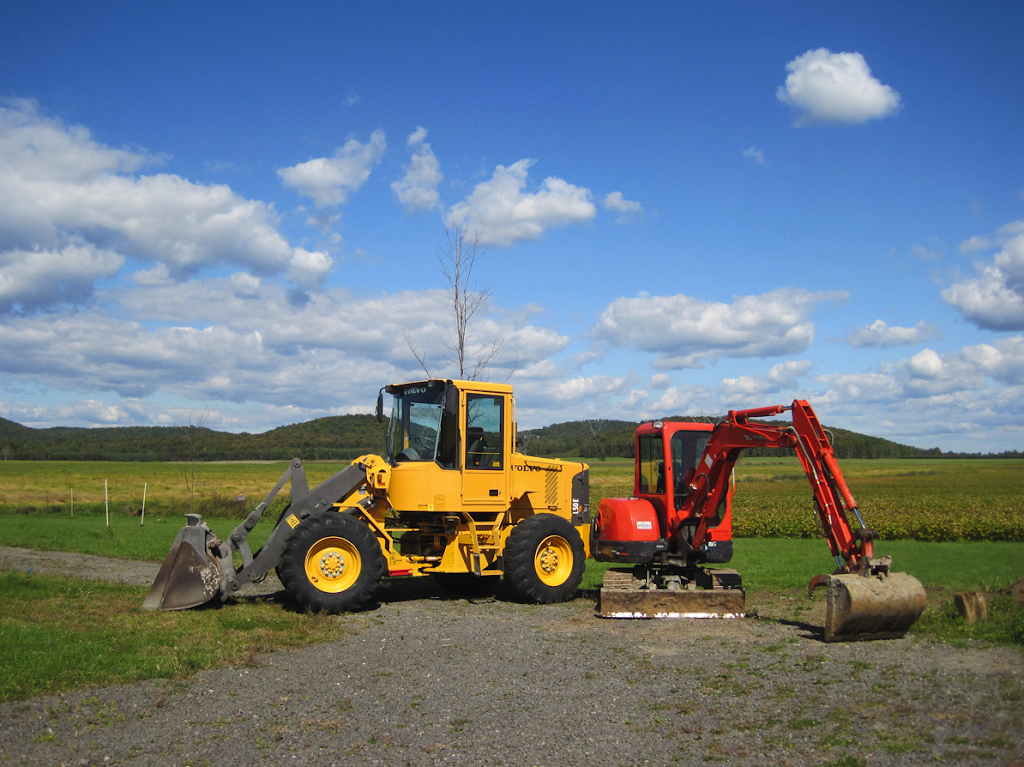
(865,600)
(832,496)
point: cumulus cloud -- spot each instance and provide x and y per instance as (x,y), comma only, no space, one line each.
(308,269)
(251,343)
(782,377)
(417,189)
(684,331)
(881,335)
(930,375)
(331,180)
(501,213)
(994,300)
(59,188)
(628,210)
(1002,360)
(835,87)
(44,279)
(679,400)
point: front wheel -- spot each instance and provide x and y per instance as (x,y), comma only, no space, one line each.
(332,563)
(544,559)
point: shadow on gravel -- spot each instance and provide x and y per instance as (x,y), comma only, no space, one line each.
(395,591)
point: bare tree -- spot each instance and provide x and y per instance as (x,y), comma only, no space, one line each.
(194,433)
(457,257)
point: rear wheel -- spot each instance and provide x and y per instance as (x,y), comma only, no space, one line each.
(332,563)
(544,559)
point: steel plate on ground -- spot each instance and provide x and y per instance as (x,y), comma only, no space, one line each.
(664,603)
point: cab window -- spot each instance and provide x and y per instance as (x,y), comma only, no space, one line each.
(485,438)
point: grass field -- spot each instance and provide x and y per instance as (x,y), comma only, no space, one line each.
(61,633)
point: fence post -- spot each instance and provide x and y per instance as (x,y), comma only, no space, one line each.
(142,521)
(106,502)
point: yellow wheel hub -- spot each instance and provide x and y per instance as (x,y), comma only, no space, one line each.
(553,560)
(333,564)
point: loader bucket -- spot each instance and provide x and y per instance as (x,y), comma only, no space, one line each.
(188,576)
(861,607)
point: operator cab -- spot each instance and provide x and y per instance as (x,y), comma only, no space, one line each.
(424,423)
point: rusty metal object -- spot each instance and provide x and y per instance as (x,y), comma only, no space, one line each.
(624,596)
(862,607)
(971,606)
(188,576)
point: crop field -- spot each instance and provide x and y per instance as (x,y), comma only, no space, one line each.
(47,486)
(916,499)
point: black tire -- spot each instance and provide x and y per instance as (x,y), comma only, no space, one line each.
(332,563)
(467,585)
(544,559)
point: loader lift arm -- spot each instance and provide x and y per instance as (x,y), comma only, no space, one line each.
(200,565)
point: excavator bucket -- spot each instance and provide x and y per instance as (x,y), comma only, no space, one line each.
(188,577)
(862,607)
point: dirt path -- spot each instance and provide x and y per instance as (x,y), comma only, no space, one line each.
(425,680)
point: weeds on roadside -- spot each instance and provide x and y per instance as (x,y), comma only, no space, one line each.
(1004,624)
(66,633)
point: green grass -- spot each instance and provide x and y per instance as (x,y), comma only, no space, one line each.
(66,633)
(781,564)
(124,539)
(61,633)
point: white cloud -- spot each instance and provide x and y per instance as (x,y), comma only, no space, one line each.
(995,299)
(59,188)
(835,87)
(308,269)
(755,155)
(43,279)
(628,210)
(330,180)
(781,377)
(417,190)
(679,400)
(974,244)
(684,331)
(881,335)
(1002,360)
(501,213)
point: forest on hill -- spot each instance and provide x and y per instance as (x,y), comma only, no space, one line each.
(348,436)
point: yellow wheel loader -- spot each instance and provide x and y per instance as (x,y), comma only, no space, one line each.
(453,499)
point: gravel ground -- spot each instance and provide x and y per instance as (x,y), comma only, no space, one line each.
(424,679)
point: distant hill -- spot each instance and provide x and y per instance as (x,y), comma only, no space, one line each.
(336,437)
(348,436)
(608,439)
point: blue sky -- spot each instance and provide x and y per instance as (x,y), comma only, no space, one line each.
(234,209)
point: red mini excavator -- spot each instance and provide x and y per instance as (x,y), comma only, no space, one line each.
(679,519)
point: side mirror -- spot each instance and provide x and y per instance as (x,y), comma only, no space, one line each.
(380,406)
(451,400)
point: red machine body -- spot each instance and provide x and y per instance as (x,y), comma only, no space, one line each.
(684,481)
(634,530)
(680,517)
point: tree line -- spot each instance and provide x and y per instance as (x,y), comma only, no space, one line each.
(346,437)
